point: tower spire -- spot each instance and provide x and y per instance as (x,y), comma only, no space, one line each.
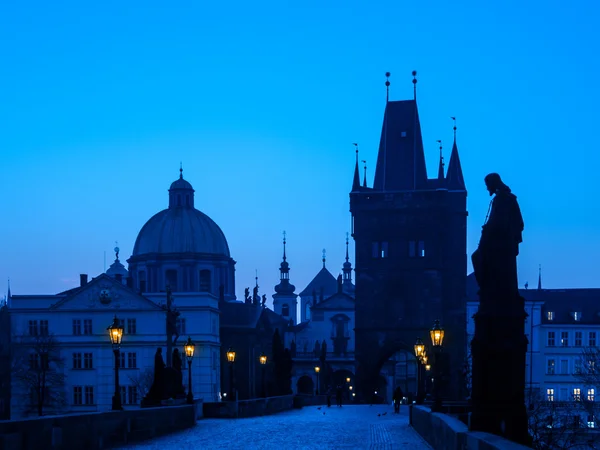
(540,278)
(347,234)
(387,87)
(180,170)
(414,74)
(365,178)
(324,253)
(284,258)
(454,175)
(441,166)
(356,181)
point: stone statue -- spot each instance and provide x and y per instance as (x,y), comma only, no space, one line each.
(177,362)
(264,301)
(494,261)
(157,391)
(255,296)
(178,375)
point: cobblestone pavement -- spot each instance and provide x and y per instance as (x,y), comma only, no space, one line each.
(349,427)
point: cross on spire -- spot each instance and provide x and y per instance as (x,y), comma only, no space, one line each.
(365,178)
(387,86)
(414,74)
(347,234)
(324,254)
(180,170)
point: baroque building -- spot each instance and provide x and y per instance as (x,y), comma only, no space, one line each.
(411,252)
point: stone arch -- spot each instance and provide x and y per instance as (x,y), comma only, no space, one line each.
(305,385)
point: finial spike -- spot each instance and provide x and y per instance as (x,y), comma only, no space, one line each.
(284,242)
(414,74)
(180,170)
(324,253)
(347,234)
(256,276)
(356,146)
(454,119)
(387,86)
(365,178)
(540,278)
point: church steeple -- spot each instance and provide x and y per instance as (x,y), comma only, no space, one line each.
(285,300)
(540,278)
(181,193)
(347,273)
(456,181)
(356,181)
(284,286)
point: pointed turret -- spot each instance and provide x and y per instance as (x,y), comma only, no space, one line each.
(347,271)
(356,180)
(454,177)
(540,278)
(441,165)
(285,300)
(401,159)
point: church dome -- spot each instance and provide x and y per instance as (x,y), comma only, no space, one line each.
(181,228)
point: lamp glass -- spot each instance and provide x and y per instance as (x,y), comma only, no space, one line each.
(317,369)
(230,355)
(419,347)
(189,348)
(115,331)
(262,358)
(437,334)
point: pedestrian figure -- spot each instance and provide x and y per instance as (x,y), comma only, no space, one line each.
(338,395)
(329,396)
(398,395)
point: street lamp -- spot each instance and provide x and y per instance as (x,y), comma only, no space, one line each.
(318,371)
(420,354)
(347,379)
(263,362)
(437,339)
(115,331)
(189,352)
(231,359)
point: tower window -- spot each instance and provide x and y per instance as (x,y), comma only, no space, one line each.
(375,249)
(205,280)
(421,250)
(384,249)
(380,250)
(550,315)
(285,310)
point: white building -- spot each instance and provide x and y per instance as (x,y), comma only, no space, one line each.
(181,247)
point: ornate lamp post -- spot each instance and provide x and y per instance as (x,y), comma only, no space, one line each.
(419,353)
(437,339)
(317,370)
(231,359)
(115,331)
(189,352)
(263,362)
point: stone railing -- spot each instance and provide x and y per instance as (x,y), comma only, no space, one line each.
(444,432)
(94,431)
(260,406)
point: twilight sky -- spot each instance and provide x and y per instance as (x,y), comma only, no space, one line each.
(262,101)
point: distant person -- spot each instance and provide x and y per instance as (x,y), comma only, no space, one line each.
(339,393)
(398,396)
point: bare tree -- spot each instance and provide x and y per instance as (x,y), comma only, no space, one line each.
(142,381)
(37,369)
(589,365)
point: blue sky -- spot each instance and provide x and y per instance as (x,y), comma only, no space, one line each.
(262,102)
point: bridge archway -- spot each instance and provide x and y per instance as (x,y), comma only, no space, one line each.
(305,385)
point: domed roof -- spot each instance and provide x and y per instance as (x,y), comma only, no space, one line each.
(181,228)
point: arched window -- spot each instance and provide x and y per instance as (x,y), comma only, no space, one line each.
(285,310)
(205,280)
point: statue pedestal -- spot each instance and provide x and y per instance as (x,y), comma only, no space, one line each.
(498,371)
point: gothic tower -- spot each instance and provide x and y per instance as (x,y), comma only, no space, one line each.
(285,300)
(411,251)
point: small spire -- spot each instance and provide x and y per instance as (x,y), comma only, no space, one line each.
(256,276)
(387,87)
(414,74)
(454,175)
(324,253)
(9,296)
(284,258)
(454,119)
(540,278)
(356,180)
(116,250)
(441,166)
(365,178)
(180,170)
(347,258)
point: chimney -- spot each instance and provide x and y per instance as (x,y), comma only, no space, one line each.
(83,279)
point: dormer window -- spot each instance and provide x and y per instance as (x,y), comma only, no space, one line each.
(550,315)
(576,316)
(403,134)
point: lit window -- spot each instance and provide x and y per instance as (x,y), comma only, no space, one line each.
(591,421)
(550,315)
(591,394)
(421,252)
(577,316)
(384,249)
(550,367)
(564,338)
(550,395)
(551,338)
(577,394)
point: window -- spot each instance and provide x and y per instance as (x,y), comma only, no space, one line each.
(564,338)
(171,279)
(87,326)
(122,360)
(578,338)
(577,394)
(384,249)
(375,249)
(76,327)
(564,395)
(592,339)
(550,315)
(285,310)
(180,325)
(88,361)
(89,395)
(412,249)
(591,421)
(564,366)
(577,316)
(132,395)
(551,338)
(550,367)
(205,283)
(33,328)
(76,360)
(403,134)
(132,360)
(591,394)
(421,252)
(131,326)
(550,394)
(77,395)
(34,361)
(577,369)
(44,327)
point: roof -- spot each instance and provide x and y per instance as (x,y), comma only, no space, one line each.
(339,300)
(239,314)
(323,280)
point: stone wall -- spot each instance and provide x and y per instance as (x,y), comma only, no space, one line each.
(94,431)
(249,408)
(444,432)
